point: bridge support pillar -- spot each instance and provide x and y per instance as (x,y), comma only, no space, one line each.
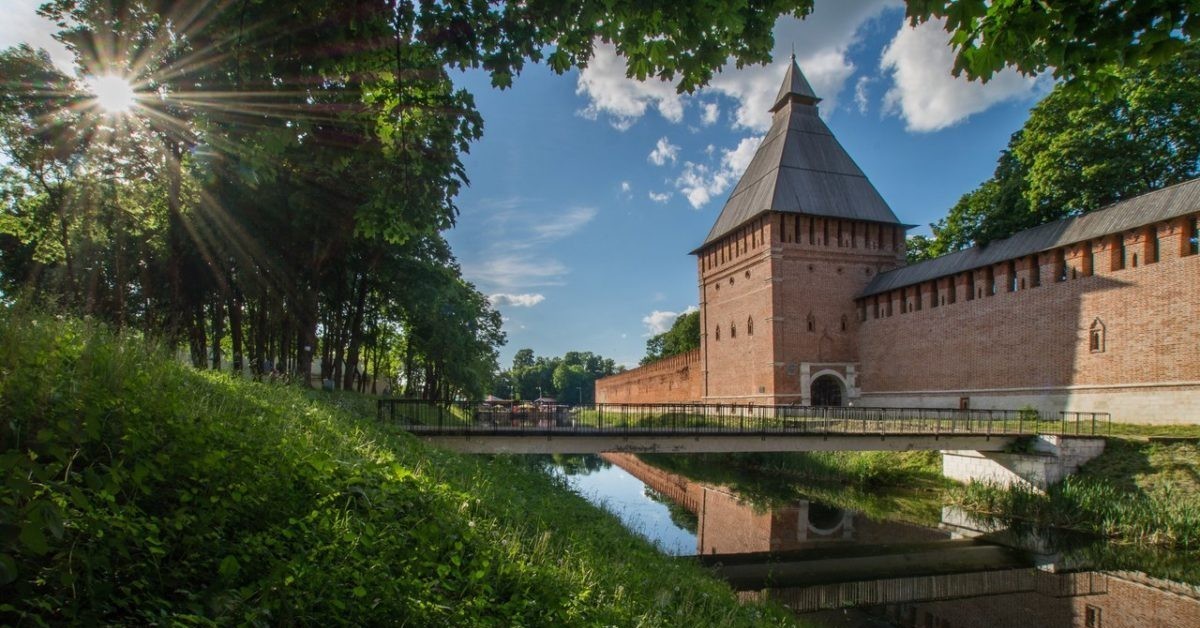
(1042,462)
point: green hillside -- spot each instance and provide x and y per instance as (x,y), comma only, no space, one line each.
(138,490)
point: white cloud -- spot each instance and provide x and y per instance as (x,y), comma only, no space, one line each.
(516,300)
(709,113)
(626,188)
(660,197)
(699,183)
(663,151)
(825,38)
(823,41)
(925,93)
(861,97)
(515,271)
(22,25)
(562,225)
(659,321)
(738,159)
(622,99)
(516,260)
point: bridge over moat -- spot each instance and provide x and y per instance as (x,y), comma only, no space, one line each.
(710,428)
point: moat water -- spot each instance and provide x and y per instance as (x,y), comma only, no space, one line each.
(908,561)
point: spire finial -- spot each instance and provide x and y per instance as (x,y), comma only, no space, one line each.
(795,86)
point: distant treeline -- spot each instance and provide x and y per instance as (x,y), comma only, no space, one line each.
(569,379)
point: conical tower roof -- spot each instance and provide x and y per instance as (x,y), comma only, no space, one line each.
(800,168)
(794,85)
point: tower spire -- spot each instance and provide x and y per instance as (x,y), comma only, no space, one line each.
(795,87)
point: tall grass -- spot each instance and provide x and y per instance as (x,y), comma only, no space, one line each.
(1164,516)
(139,491)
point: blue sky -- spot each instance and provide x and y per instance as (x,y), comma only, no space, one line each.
(587,192)
(589,189)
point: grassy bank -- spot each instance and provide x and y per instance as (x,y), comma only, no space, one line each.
(137,490)
(1137,491)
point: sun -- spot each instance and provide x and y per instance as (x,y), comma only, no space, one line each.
(114,94)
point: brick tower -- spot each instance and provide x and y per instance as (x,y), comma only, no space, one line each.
(800,237)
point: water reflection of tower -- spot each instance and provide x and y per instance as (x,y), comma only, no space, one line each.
(729,525)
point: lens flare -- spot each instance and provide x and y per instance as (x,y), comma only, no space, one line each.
(112,93)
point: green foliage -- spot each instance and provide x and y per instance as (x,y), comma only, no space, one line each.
(683,336)
(1081,151)
(286,213)
(139,491)
(1084,41)
(569,379)
(1133,492)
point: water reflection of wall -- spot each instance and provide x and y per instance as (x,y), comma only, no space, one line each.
(730,525)
(1118,600)
(1008,598)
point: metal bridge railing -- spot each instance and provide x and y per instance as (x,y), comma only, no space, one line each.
(464,418)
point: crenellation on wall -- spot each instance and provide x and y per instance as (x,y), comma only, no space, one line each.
(1041,337)
(674,379)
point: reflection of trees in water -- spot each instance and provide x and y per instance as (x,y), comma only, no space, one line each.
(570,464)
(767,481)
(1161,563)
(680,516)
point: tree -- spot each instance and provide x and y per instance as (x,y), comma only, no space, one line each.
(683,336)
(1086,41)
(523,359)
(572,383)
(568,379)
(1081,151)
(279,192)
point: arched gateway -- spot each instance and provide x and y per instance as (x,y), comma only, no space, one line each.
(827,391)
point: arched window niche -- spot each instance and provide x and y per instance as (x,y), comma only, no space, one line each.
(1096,336)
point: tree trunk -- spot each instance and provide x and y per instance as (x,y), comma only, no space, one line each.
(409,391)
(177,312)
(218,330)
(235,327)
(378,354)
(197,337)
(355,329)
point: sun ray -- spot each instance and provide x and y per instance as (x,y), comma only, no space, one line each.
(112,93)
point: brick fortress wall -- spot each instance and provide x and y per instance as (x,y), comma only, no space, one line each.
(822,264)
(780,292)
(671,380)
(736,332)
(1020,333)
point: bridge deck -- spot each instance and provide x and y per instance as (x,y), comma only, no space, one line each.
(705,428)
(574,442)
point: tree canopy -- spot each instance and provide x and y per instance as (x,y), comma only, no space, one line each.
(1087,41)
(1080,151)
(569,379)
(683,336)
(274,200)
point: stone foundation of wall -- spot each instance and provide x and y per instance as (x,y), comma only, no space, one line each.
(1152,404)
(1053,458)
